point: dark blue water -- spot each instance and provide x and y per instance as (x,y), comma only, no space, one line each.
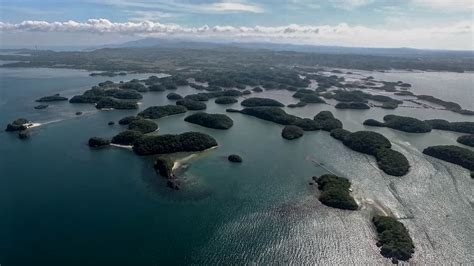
(62,203)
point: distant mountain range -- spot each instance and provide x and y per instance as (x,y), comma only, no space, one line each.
(190,44)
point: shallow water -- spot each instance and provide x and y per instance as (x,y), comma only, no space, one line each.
(63,203)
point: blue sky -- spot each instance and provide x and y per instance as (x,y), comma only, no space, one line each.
(439,24)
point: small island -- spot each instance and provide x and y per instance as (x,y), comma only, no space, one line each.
(292,132)
(53,98)
(234,158)
(393,239)
(111,103)
(143,125)
(216,121)
(95,142)
(402,123)
(191,104)
(311,98)
(461,127)
(18,125)
(232,93)
(339,133)
(327,121)
(185,142)
(164,167)
(128,119)
(255,101)
(453,154)
(352,105)
(199,97)
(174,96)
(367,142)
(155,112)
(257,89)
(127,137)
(225,100)
(335,192)
(390,161)
(467,140)
(24,134)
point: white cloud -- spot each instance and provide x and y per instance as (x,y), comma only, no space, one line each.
(457,5)
(222,6)
(454,36)
(234,7)
(351,4)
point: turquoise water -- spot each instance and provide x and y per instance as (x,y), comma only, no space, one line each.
(63,203)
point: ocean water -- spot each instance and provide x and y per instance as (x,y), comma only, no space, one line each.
(62,203)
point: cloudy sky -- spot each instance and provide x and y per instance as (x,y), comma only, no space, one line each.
(432,24)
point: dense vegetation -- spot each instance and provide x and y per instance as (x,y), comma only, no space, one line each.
(17,125)
(191,105)
(453,154)
(402,123)
(327,121)
(452,106)
(390,161)
(255,102)
(143,125)
(128,119)
(185,142)
(312,98)
(98,142)
(127,137)
(339,133)
(216,121)
(373,123)
(174,96)
(292,132)
(393,239)
(367,142)
(200,97)
(155,112)
(225,100)
(24,134)
(461,127)
(352,105)
(335,192)
(467,140)
(164,167)
(234,158)
(53,98)
(107,102)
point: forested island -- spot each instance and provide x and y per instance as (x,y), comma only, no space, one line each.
(393,239)
(390,161)
(216,121)
(335,192)
(255,102)
(53,98)
(185,142)
(453,154)
(292,132)
(402,123)
(155,112)
(467,140)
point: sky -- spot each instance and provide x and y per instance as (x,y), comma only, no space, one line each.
(425,24)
